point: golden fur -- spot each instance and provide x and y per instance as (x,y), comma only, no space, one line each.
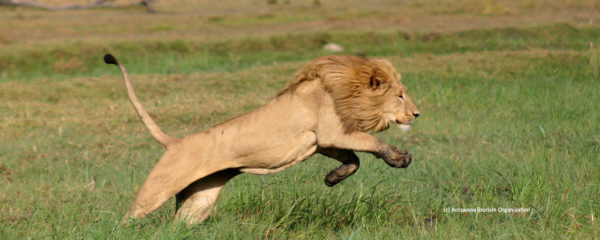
(329,108)
(345,79)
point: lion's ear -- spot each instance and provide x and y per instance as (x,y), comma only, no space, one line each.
(374,83)
(377,81)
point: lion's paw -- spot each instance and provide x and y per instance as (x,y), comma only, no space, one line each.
(398,159)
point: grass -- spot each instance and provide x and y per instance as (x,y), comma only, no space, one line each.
(509,119)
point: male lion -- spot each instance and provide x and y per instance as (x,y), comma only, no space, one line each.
(329,107)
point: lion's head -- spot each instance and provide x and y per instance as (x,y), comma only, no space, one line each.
(367,93)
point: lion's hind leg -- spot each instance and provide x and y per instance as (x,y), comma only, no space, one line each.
(350,164)
(174,172)
(196,201)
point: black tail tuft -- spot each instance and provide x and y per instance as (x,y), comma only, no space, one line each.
(110,59)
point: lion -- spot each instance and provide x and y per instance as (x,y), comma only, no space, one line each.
(331,107)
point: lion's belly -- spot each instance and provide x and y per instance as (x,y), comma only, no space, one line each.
(279,155)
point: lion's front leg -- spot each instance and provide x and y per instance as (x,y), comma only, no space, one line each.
(396,158)
(364,142)
(350,164)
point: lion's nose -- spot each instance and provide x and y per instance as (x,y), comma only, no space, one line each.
(416,114)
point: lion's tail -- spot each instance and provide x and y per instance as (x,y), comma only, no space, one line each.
(154,130)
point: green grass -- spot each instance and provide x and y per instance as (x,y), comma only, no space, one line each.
(183,56)
(510,118)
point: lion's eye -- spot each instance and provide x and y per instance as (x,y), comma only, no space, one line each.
(401,96)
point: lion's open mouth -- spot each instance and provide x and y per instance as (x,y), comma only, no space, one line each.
(403,127)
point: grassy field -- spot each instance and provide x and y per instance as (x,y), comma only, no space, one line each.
(509,93)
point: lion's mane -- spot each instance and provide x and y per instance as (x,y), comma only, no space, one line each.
(348,80)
